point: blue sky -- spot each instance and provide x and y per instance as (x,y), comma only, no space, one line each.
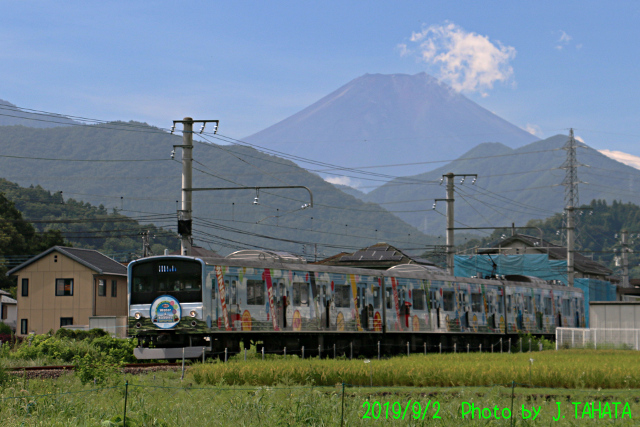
(251,64)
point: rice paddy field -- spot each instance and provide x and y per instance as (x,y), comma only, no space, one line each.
(570,388)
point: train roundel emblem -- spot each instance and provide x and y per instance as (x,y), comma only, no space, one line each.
(246,321)
(297,321)
(165,312)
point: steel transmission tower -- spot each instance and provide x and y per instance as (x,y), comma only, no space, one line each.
(570,183)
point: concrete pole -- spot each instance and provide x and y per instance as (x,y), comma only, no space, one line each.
(187,172)
(450,224)
(625,259)
(570,242)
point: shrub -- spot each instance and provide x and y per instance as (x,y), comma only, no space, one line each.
(5,329)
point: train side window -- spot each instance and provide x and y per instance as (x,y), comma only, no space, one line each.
(418,299)
(255,292)
(500,304)
(301,294)
(214,286)
(538,304)
(508,303)
(233,291)
(342,295)
(448,300)
(433,299)
(388,295)
(476,303)
(547,306)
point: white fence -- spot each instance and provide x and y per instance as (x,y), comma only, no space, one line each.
(597,338)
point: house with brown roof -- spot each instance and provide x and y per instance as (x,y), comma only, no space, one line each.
(65,286)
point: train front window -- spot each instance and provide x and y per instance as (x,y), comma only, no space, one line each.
(181,279)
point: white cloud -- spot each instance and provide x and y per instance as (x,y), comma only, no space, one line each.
(344,180)
(565,40)
(627,159)
(533,129)
(467,61)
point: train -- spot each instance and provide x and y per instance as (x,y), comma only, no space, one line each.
(182,306)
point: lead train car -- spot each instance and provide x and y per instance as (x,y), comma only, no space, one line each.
(262,298)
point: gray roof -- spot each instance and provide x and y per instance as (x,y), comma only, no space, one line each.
(380,255)
(90,258)
(7,300)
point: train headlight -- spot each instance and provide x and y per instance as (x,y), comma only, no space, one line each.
(193,313)
(137,315)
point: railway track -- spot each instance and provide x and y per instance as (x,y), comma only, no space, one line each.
(56,371)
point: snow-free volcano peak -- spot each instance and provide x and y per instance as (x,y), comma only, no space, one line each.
(383,119)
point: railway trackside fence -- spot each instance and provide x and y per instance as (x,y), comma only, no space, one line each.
(598,338)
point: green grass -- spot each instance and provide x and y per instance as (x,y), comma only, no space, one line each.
(576,369)
(164,400)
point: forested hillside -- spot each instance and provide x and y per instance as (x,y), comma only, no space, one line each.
(34,219)
(18,237)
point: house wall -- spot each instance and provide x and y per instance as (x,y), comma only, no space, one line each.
(108,305)
(43,309)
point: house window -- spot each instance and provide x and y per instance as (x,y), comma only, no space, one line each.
(25,287)
(66,321)
(102,288)
(4,312)
(114,288)
(24,326)
(64,287)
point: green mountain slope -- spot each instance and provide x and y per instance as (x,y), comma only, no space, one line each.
(513,186)
(226,220)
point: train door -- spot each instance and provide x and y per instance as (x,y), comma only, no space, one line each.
(324,304)
(281,304)
(462,299)
(509,317)
(343,301)
(404,306)
(420,317)
(300,303)
(537,299)
(477,308)
(434,307)
(363,306)
(377,306)
(448,307)
(558,313)
(231,297)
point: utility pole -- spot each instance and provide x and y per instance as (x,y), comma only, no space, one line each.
(146,247)
(570,236)
(184,214)
(625,259)
(450,243)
